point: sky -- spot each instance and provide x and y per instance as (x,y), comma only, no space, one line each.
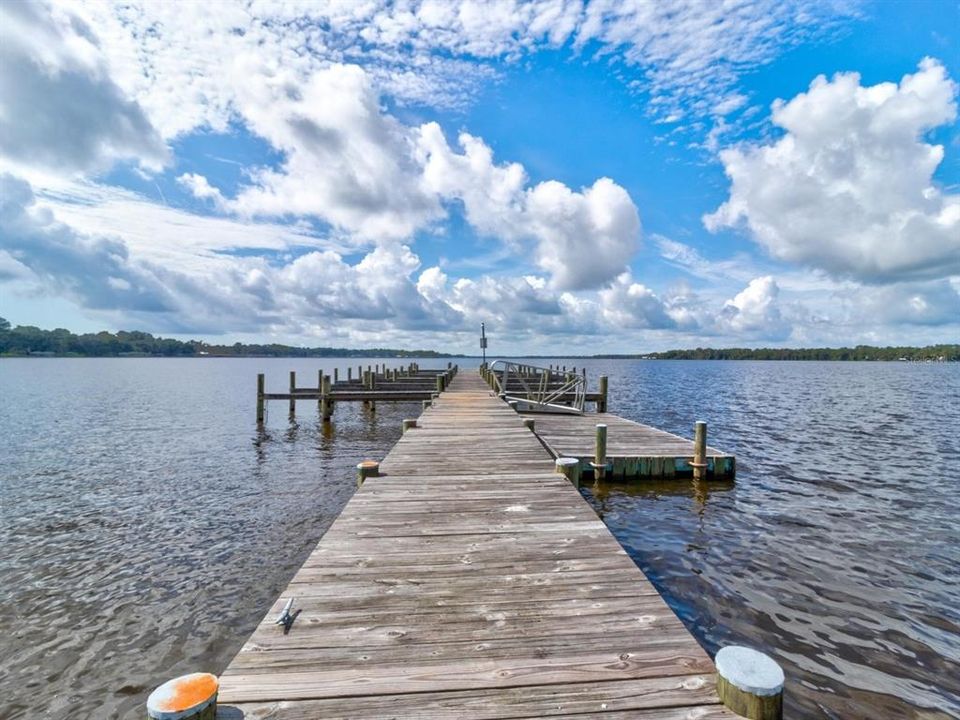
(584,177)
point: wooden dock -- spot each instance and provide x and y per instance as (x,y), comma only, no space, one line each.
(633,450)
(469,580)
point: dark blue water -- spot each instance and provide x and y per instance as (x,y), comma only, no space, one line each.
(147,524)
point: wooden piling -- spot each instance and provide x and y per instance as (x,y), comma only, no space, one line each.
(529,424)
(293,385)
(750,683)
(426,404)
(439,383)
(600,452)
(367,469)
(260,400)
(409,424)
(699,463)
(326,401)
(336,376)
(602,405)
(189,697)
(569,468)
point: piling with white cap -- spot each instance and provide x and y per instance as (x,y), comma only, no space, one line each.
(569,468)
(189,697)
(750,683)
(367,469)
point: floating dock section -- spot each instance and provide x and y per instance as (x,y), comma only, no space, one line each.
(469,580)
(633,450)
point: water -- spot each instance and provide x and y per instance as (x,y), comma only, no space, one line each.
(147,525)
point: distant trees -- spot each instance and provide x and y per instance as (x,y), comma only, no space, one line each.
(30,340)
(860,352)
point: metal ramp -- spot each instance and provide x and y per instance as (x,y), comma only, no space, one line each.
(539,389)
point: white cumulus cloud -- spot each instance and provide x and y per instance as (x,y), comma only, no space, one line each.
(346,161)
(584,238)
(849,187)
(755,310)
(60,109)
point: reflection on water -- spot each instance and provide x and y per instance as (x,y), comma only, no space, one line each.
(147,524)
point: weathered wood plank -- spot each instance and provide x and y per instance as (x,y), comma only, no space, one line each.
(684,697)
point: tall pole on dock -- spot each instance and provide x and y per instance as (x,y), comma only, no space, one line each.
(483,342)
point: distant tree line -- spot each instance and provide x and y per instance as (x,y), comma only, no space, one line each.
(860,352)
(25,340)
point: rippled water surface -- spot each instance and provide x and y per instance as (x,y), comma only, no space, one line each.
(147,525)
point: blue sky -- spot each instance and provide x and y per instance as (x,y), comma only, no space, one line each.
(611,176)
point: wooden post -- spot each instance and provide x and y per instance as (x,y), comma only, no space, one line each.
(367,469)
(699,463)
(569,468)
(260,400)
(600,453)
(320,392)
(293,384)
(750,683)
(189,697)
(336,375)
(326,402)
(602,405)
(426,404)
(529,424)
(439,383)
(409,424)
(349,374)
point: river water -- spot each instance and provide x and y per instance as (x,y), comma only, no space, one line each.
(146,525)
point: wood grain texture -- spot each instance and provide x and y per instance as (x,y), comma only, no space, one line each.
(469,580)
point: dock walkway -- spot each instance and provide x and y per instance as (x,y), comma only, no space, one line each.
(470,581)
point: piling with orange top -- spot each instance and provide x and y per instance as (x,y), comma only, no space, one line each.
(189,697)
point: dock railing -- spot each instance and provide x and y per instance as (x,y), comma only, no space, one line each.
(540,389)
